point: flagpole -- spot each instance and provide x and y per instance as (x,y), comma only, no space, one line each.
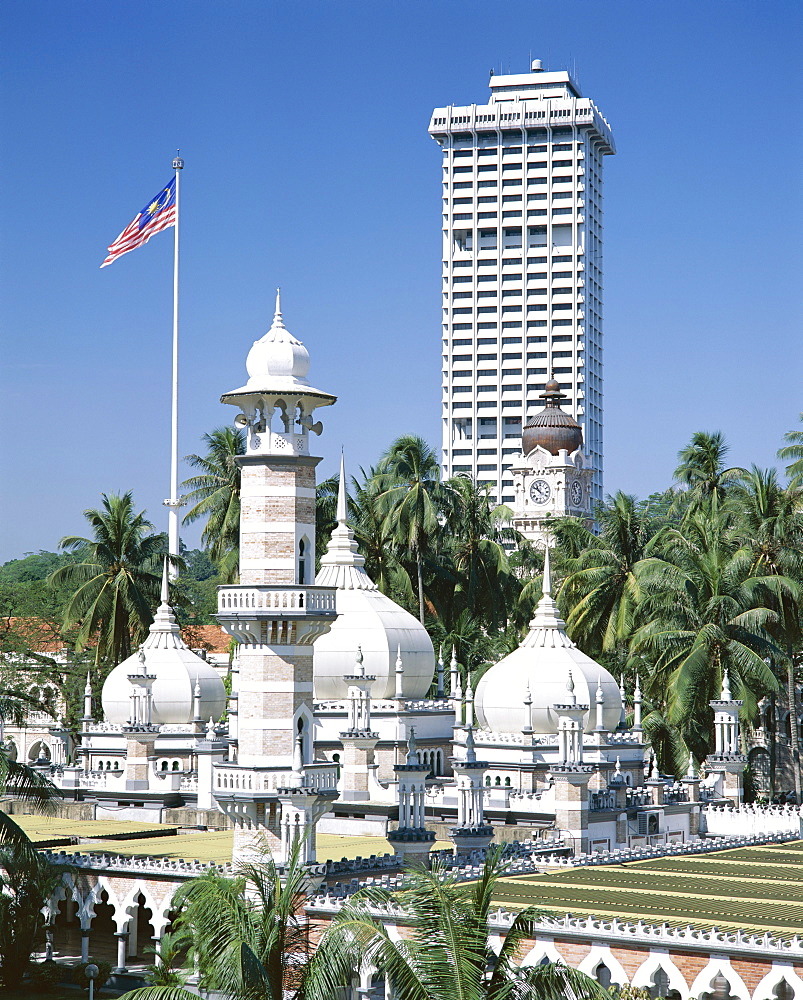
(174,502)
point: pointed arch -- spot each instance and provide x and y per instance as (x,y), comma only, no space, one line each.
(543,951)
(777,975)
(643,976)
(720,966)
(602,955)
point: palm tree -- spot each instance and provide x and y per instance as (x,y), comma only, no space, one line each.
(27,880)
(372,531)
(215,495)
(794,451)
(448,954)
(116,579)
(410,500)
(601,588)
(770,524)
(475,534)
(702,469)
(703,614)
(247,931)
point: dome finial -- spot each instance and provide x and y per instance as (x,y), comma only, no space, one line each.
(341,491)
(165,595)
(546,587)
(412,748)
(277,313)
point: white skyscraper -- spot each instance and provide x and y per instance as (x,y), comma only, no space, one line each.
(522,268)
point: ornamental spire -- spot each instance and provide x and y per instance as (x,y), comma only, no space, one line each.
(341,491)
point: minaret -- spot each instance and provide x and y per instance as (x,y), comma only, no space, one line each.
(727,762)
(275,613)
(411,841)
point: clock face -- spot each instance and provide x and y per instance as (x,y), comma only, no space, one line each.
(576,491)
(540,491)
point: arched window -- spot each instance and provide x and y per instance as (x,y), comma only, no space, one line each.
(302,562)
(602,974)
(175,765)
(164,765)
(659,986)
(507,782)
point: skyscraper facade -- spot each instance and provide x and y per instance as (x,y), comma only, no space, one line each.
(522,268)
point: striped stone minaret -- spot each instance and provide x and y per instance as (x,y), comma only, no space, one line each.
(276,612)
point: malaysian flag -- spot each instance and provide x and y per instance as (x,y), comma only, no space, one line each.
(158,214)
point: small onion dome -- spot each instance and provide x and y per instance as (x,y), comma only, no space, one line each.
(177,670)
(369,619)
(542,669)
(278,354)
(553,429)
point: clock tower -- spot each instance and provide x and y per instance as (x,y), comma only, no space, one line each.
(552,477)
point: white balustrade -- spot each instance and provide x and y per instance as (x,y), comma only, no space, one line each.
(280,600)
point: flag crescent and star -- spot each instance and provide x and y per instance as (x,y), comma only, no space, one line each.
(158,214)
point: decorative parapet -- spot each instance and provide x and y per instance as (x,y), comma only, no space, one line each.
(756,820)
(275,601)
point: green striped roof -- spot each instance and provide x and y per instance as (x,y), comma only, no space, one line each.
(757,889)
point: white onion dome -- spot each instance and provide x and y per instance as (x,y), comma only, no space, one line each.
(543,667)
(177,670)
(369,619)
(277,355)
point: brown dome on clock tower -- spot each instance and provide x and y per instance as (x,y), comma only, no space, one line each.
(552,428)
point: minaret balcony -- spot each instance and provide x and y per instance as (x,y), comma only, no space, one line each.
(233,782)
(276,601)
(276,615)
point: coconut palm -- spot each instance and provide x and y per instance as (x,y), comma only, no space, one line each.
(793,450)
(448,954)
(215,495)
(702,469)
(770,524)
(475,534)
(601,589)
(248,934)
(703,613)
(115,579)
(409,499)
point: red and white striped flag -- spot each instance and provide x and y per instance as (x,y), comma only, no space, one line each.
(158,214)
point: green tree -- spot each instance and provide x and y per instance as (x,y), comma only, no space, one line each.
(409,499)
(215,495)
(703,472)
(448,955)
(601,588)
(115,580)
(246,931)
(476,533)
(792,452)
(770,524)
(27,880)
(703,613)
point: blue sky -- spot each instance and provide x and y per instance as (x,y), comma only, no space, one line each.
(308,165)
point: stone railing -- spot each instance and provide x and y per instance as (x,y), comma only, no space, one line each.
(638,797)
(104,779)
(176,867)
(274,600)
(320,776)
(532,856)
(676,793)
(601,801)
(751,820)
